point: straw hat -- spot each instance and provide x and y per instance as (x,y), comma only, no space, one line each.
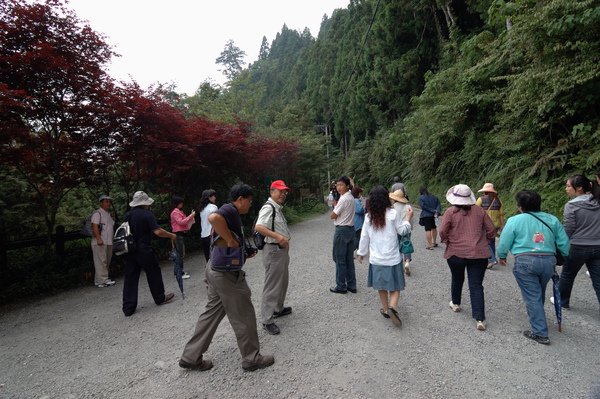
(398,196)
(460,194)
(140,198)
(487,188)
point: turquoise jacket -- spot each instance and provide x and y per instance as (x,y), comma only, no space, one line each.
(523,233)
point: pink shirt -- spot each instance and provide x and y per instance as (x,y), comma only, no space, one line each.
(179,222)
(467,235)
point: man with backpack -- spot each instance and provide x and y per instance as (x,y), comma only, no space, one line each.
(102,236)
(271,223)
(143,227)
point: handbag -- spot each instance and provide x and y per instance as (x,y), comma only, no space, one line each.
(560,260)
(406,246)
(224,258)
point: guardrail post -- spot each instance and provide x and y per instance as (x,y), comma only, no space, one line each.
(60,242)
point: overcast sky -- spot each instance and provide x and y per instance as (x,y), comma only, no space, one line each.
(177,41)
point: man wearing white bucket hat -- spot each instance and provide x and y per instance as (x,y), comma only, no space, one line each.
(143,226)
(466,231)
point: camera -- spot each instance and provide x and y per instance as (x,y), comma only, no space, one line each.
(249,249)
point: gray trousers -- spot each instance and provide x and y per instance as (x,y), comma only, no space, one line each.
(228,294)
(276,261)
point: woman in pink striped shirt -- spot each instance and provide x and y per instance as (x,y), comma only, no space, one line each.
(180,225)
(466,231)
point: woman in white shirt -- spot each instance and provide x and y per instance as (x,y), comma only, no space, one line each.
(379,239)
(207,206)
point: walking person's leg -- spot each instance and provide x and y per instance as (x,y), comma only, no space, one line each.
(457,270)
(131,278)
(206,247)
(275,264)
(206,326)
(593,265)
(476,271)
(573,263)
(527,274)
(154,277)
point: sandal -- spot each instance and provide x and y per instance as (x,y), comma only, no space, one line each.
(395,318)
(387,316)
(435,244)
(430,248)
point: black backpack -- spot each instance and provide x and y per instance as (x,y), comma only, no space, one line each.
(259,239)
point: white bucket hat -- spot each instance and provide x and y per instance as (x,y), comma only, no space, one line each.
(460,194)
(140,198)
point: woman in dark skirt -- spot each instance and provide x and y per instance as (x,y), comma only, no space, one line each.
(379,239)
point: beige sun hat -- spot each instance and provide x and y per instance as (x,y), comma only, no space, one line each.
(460,194)
(140,198)
(398,196)
(487,188)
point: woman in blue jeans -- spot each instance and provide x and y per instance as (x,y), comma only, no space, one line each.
(582,223)
(532,237)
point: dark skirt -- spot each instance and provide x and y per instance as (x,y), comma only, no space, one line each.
(388,278)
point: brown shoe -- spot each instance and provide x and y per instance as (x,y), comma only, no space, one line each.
(203,366)
(261,363)
(168,297)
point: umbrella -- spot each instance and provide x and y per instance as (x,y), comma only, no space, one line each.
(557,305)
(177,267)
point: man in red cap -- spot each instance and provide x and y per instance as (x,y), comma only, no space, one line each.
(271,223)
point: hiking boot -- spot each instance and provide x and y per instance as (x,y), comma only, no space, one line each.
(537,338)
(260,363)
(480,325)
(285,311)
(455,308)
(203,366)
(272,328)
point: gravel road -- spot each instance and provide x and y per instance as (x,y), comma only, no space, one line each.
(78,344)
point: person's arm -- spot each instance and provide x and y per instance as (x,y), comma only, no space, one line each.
(562,240)
(490,229)
(96,228)
(219,225)
(160,232)
(505,242)
(569,221)
(363,244)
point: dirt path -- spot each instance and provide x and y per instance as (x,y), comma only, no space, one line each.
(79,345)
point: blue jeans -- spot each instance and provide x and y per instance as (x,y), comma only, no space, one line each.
(492,258)
(578,256)
(532,273)
(343,256)
(475,271)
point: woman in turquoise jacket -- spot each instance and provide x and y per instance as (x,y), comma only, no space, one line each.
(533,237)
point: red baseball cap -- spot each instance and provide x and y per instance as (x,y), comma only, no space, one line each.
(279,185)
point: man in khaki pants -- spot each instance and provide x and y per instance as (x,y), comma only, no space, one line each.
(102,235)
(271,223)
(228,294)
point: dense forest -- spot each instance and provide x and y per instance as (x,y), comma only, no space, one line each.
(435,91)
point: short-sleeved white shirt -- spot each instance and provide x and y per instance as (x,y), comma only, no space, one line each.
(344,210)
(204,223)
(265,218)
(103,219)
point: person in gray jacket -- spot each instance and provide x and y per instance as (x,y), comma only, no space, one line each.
(582,224)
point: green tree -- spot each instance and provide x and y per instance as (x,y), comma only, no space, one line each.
(232,59)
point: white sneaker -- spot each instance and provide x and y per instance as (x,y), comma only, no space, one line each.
(552,300)
(185,276)
(480,325)
(101,285)
(455,308)
(110,282)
